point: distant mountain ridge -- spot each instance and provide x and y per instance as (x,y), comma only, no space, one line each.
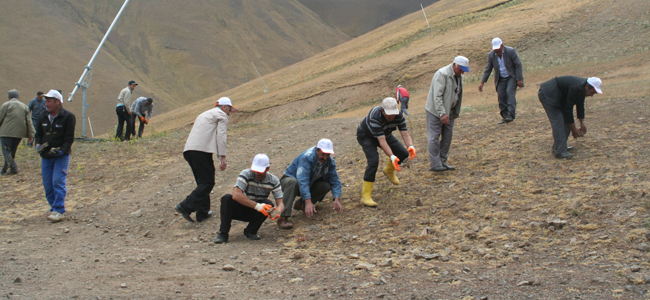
(356,17)
(179,51)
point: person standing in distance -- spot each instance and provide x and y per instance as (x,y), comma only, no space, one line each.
(37,107)
(123,111)
(54,138)
(508,75)
(207,137)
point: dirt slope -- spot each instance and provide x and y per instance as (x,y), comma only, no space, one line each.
(511,222)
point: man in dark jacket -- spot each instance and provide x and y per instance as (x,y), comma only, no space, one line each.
(508,75)
(558,96)
(54,138)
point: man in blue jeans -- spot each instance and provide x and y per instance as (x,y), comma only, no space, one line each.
(54,138)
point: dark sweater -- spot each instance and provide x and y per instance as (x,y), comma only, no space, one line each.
(58,133)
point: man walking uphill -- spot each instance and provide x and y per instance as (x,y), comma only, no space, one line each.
(376,130)
(443,107)
(208,137)
(508,75)
(123,111)
(54,138)
(558,96)
(15,124)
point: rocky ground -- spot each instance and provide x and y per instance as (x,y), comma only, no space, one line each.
(511,222)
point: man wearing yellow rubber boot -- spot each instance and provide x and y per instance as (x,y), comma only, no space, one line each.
(376,131)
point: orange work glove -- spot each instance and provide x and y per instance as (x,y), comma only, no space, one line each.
(141,119)
(395,161)
(411,151)
(146,121)
(263,208)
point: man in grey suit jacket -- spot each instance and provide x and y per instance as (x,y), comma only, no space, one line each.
(508,75)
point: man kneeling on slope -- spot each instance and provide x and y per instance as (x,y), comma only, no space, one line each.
(311,175)
(249,201)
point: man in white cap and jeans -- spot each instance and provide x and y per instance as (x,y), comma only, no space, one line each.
(376,130)
(508,75)
(249,201)
(311,175)
(54,137)
(558,96)
(443,107)
(207,137)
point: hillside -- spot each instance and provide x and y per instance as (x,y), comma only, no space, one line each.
(179,52)
(357,17)
(551,38)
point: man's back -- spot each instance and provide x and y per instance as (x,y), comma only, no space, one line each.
(14,119)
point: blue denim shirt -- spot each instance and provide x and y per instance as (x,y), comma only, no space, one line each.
(304,169)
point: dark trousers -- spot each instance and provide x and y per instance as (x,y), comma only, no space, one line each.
(123,116)
(370,144)
(290,190)
(507,90)
(9,147)
(561,130)
(233,210)
(135,117)
(203,169)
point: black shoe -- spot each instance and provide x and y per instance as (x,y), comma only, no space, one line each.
(562,155)
(448,167)
(200,218)
(251,236)
(221,238)
(438,169)
(183,213)
(503,121)
(508,119)
(570,148)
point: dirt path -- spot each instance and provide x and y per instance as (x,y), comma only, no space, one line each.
(511,223)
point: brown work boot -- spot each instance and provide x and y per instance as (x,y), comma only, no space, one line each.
(299,204)
(284,223)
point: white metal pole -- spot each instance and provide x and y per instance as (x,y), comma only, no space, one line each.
(97,51)
(266,89)
(91,128)
(425,15)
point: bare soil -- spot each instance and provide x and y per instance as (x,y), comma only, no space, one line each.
(511,222)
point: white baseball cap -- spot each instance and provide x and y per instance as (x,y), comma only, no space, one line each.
(260,163)
(54,94)
(496,43)
(225,101)
(326,146)
(596,83)
(390,106)
(463,62)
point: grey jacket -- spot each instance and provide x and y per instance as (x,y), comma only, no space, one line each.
(513,65)
(15,120)
(441,94)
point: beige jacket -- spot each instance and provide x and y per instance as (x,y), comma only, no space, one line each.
(125,98)
(15,120)
(209,133)
(441,94)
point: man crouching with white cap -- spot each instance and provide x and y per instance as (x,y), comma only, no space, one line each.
(443,107)
(54,137)
(311,175)
(249,201)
